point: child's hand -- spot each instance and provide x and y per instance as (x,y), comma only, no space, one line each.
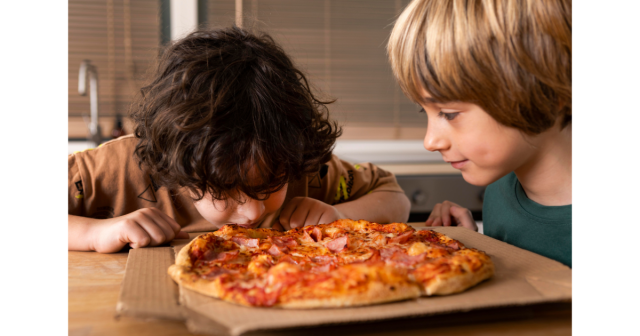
(303,211)
(448,213)
(144,227)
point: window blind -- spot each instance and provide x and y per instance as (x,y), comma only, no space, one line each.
(122,39)
(341,46)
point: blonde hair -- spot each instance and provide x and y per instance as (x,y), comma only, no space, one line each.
(510,57)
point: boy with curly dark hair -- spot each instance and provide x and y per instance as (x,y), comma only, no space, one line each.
(227,132)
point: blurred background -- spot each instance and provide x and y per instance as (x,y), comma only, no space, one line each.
(339,44)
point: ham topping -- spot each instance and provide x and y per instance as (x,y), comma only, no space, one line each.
(280,245)
(323,268)
(277,251)
(295,260)
(386,253)
(248,242)
(405,259)
(375,257)
(401,238)
(323,263)
(211,255)
(454,245)
(321,259)
(306,237)
(396,254)
(337,244)
(316,234)
(285,241)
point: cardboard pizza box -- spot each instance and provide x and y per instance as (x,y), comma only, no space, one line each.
(522,278)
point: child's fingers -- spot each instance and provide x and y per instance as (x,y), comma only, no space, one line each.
(463,217)
(287,212)
(299,216)
(437,222)
(135,235)
(159,229)
(182,235)
(175,227)
(277,226)
(444,214)
(328,215)
(435,213)
(153,228)
(162,222)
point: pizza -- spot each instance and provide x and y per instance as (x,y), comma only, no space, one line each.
(341,264)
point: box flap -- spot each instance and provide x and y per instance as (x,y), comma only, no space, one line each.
(521,278)
(147,290)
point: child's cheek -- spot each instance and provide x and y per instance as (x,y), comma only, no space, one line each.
(275,200)
(210,213)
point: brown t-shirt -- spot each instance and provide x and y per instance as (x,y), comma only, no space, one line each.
(107,182)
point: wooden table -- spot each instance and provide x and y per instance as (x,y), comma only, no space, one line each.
(94,286)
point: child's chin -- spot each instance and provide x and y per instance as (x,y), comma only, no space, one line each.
(478,179)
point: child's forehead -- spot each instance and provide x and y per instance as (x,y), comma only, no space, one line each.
(256,170)
(428,99)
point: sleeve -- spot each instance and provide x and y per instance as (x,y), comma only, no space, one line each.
(339,181)
(76,190)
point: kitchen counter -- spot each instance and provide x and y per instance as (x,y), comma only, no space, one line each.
(94,287)
(401,157)
(415,169)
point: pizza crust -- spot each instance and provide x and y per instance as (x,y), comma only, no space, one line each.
(185,278)
(181,273)
(377,292)
(459,283)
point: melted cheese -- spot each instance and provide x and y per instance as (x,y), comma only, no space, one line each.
(417,248)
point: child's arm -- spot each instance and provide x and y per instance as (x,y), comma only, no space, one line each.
(448,214)
(344,190)
(148,226)
(378,207)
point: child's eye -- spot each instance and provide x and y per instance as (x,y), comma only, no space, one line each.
(449,116)
(422,110)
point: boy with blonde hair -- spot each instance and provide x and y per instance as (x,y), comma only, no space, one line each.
(494,78)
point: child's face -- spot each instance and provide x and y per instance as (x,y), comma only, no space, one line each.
(475,143)
(249,214)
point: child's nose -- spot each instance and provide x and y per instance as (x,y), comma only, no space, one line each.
(434,140)
(252,209)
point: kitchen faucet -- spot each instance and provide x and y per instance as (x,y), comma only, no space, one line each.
(88,69)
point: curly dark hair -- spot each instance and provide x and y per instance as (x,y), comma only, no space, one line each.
(224,103)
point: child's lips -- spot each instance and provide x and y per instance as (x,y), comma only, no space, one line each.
(458,164)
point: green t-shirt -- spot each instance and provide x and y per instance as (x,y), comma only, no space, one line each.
(509,215)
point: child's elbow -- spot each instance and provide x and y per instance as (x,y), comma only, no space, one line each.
(404,208)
